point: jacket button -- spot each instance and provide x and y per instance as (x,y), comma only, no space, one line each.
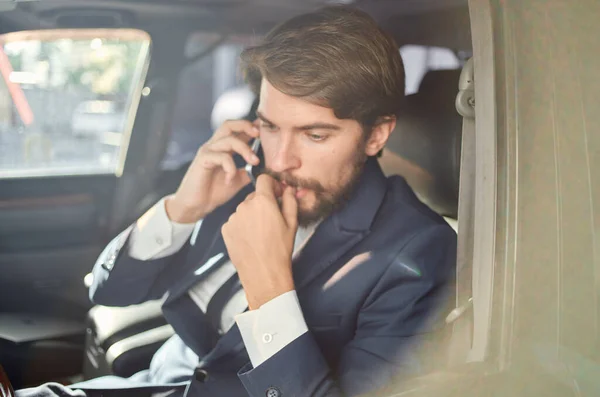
(273,392)
(200,375)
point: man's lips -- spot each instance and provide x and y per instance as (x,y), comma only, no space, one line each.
(300,192)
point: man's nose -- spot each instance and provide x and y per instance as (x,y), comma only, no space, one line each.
(285,157)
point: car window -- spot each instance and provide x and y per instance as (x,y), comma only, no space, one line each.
(200,85)
(67,98)
(418,60)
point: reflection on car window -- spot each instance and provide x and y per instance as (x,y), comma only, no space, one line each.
(66,97)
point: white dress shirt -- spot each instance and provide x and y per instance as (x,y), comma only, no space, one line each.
(265,331)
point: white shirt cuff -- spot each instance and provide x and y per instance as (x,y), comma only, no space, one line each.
(155,236)
(268,330)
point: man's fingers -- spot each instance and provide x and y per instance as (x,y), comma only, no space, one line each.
(231,144)
(211,160)
(289,207)
(240,179)
(241,128)
(267,186)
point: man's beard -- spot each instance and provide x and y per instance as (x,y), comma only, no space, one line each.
(327,201)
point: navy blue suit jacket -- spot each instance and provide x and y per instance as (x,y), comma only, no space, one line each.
(373,282)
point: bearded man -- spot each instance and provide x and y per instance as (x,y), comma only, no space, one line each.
(324,277)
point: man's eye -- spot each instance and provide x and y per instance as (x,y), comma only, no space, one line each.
(317,137)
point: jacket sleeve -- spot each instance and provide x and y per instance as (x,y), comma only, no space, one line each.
(121,280)
(395,323)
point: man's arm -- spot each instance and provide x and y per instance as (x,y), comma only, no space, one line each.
(126,271)
(407,302)
(211,181)
(156,236)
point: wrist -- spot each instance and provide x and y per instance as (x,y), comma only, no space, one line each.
(180,213)
(270,291)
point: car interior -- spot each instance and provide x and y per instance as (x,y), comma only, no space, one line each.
(54,221)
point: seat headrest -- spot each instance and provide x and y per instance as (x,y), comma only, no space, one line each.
(427,138)
(233,104)
(434,80)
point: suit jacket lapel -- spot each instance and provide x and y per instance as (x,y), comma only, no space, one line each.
(337,234)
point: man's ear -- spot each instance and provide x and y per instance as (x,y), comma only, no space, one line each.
(380,135)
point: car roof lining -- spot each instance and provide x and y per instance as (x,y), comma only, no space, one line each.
(411,20)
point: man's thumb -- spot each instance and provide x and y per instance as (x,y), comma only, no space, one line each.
(289,207)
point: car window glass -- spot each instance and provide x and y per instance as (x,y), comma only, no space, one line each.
(67,98)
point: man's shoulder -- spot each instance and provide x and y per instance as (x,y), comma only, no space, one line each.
(406,232)
(404,226)
(402,205)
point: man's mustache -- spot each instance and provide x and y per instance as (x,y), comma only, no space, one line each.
(293,181)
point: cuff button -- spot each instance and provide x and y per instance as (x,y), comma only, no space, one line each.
(267,338)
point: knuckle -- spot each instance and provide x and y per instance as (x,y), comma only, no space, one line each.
(228,123)
(234,141)
(227,226)
(239,144)
(209,147)
(234,123)
(221,156)
(260,199)
(219,142)
(202,149)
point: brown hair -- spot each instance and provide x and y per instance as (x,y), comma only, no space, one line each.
(335,57)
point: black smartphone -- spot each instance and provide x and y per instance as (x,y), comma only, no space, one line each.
(254,171)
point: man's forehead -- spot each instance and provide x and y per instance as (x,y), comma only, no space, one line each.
(279,108)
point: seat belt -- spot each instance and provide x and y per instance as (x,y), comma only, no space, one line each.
(461,318)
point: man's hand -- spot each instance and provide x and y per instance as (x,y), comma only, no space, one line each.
(213,178)
(260,240)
